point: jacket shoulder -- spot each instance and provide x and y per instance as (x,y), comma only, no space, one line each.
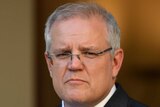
(134,103)
(121,99)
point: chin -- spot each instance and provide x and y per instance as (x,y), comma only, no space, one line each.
(76,97)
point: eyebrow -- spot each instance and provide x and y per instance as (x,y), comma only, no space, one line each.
(88,48)
(81,48)
(63,49)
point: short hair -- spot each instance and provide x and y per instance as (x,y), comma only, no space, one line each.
(86,10)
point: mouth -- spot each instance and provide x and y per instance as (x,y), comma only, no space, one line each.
(75,81)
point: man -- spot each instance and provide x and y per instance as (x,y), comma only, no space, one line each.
(84,57)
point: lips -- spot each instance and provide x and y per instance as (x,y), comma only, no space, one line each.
(75,81)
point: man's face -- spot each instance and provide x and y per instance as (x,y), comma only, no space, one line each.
(84,80)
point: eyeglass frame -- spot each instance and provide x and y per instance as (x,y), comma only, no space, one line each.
(78,55)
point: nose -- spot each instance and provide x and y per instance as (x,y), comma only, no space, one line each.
(77,55)
(75,63)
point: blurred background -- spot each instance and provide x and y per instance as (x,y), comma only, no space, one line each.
(24,78)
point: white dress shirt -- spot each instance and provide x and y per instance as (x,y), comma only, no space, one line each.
(105,100)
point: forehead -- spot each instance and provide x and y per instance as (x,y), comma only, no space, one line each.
(79,31)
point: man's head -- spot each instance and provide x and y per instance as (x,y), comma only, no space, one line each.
(84,10)
(82,52)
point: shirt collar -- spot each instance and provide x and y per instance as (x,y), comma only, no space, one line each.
(105,100)
(62,103)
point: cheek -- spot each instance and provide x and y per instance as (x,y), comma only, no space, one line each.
(101,73)
(100,78)
(101,66)
(57,80)
(58,71)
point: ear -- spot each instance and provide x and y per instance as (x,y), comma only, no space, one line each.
(49,62)
(117,62)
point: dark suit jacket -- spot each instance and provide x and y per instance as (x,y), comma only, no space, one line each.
(121,99)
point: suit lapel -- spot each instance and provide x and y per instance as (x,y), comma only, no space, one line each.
(119,98)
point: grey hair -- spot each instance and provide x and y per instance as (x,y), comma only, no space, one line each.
(85,10)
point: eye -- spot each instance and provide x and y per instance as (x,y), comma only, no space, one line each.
(90,54)
(63,55)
